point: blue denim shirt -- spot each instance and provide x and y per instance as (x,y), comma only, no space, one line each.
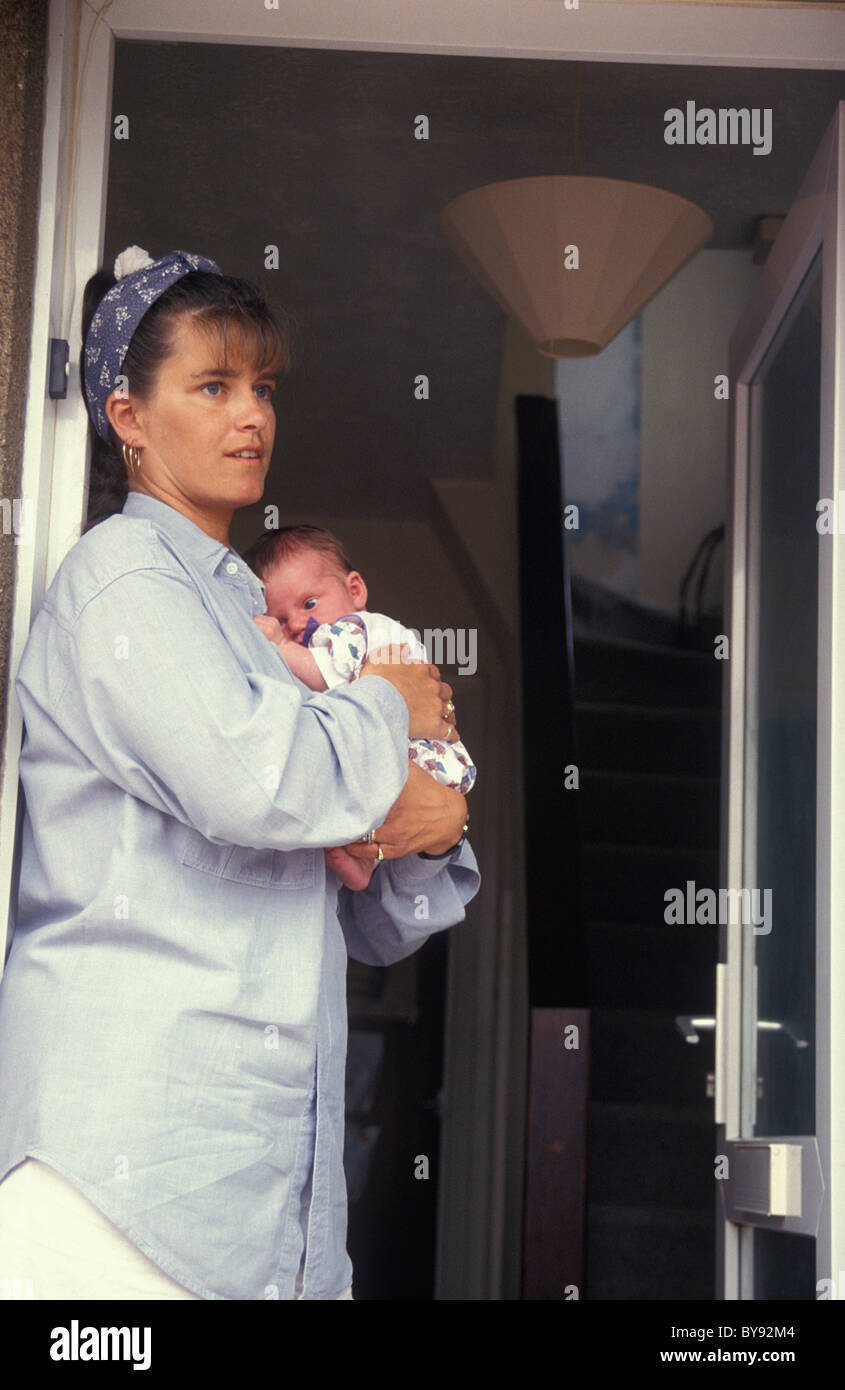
(173,1010)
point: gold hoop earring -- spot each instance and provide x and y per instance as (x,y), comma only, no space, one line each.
(132,459)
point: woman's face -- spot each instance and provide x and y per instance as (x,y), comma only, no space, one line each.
(197,425)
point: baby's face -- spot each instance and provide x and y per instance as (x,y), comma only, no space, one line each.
(305,586)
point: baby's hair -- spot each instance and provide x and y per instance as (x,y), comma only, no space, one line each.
(274,547)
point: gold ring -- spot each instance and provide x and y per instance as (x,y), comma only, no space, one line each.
(370,837)
(448,732)
(380,855)
(450,708)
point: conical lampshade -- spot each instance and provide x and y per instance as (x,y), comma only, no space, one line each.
(631,240)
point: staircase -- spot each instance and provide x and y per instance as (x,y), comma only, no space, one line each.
(647,729)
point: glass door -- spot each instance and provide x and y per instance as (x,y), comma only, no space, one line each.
(780,1104)
(777,943)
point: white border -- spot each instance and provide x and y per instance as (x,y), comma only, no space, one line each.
(72,199)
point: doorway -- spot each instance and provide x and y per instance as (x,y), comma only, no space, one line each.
(485,1100)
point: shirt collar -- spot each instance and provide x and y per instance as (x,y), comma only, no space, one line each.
(195,542)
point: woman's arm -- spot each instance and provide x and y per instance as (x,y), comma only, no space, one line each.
(405,902)
(425,816)
(144,683)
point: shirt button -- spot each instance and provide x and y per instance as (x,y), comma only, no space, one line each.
(231,568)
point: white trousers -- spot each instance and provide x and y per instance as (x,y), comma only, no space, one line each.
(55,1244)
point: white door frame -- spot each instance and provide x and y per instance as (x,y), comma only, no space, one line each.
(815,220)
(72,210)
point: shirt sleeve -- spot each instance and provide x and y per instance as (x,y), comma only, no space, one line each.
(155,698)
(405,902)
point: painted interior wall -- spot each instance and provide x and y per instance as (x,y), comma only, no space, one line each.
(599,411)
(478,518)
(645,410)
(684,446)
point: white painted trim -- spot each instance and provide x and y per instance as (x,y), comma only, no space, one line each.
(38,454)
(830,870)
(68,245)
(83,201)
(728,1040)
(745,1067)
(731,36)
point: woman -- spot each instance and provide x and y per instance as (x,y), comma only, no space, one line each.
(173,1013)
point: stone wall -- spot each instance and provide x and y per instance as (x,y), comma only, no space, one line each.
(23,31)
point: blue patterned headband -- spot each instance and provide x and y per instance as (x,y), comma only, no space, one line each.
(140,281)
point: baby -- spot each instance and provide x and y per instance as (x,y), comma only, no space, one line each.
(317,617)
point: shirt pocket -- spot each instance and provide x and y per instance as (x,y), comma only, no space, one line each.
(260,868)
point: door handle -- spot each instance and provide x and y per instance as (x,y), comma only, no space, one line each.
(689,1025)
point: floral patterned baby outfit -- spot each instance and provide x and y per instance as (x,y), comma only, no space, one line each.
(340,650)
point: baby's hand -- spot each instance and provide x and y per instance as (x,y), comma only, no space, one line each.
(297,658)
(355,873)
(271,627)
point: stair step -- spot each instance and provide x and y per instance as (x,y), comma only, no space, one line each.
(661,967)
(648,746)
(647,738)
(600,612)
(639,673)
(627,883)
(641,808)
(648,1253)
(639,1056)
(652,1156)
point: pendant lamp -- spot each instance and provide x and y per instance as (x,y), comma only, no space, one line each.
(573,258)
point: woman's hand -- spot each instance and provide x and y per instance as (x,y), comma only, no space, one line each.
(430,712)
(425,816)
